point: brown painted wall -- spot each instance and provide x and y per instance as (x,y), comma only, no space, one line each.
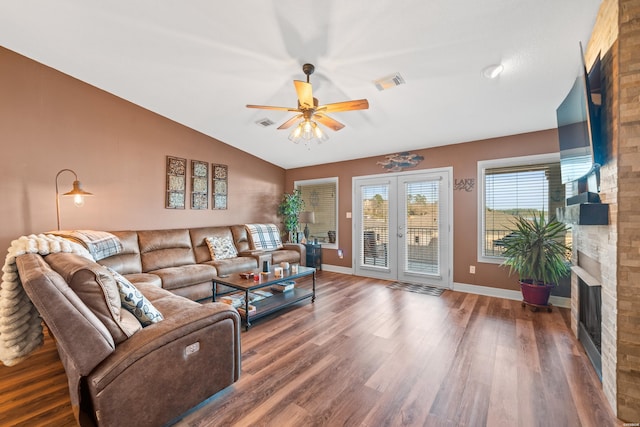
(50,121)
(463,158)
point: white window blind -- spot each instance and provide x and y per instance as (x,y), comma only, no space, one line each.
(517,190)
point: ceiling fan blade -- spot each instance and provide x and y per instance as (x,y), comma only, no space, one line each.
(358,104)
(305,94)
(328,121)
(290,122)
(270,107)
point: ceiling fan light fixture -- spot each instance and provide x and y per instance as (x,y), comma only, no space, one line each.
(308,132)
(493,71)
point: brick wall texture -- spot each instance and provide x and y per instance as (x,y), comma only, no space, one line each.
(616,37)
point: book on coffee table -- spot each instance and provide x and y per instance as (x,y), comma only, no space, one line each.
(242,311)
(283,286)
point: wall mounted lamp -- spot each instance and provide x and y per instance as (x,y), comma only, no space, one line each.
(77,192)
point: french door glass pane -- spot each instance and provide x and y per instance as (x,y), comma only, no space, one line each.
(375,226)
(422,223)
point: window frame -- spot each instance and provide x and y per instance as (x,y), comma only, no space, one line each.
(329,180)
(483,165)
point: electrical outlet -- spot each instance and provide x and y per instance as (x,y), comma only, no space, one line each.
(348,215)
(472,269)
(340,254)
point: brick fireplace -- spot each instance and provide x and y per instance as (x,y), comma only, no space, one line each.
(610,254)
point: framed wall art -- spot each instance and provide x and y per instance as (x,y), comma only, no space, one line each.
(176,182)
(199,185)
(220,182)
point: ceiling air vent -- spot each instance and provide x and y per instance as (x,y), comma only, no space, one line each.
(390,81)
(265,122)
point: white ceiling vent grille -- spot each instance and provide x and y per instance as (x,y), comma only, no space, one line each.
(390,81)
(265,122)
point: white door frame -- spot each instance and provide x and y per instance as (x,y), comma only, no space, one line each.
(446,245)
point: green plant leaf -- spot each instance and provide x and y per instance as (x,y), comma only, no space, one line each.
(535,250)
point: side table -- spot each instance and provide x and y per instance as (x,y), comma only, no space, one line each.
(314,255)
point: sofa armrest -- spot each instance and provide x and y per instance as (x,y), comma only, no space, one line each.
(302,249)
(259,255)
(166,332)
(252,252)
(194,353)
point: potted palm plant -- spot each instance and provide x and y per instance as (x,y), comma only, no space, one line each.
(536,251)
(290,208)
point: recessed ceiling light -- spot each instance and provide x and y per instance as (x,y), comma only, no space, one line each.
(493,71)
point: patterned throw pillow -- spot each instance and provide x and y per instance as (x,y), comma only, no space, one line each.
(221,248)
(134,302)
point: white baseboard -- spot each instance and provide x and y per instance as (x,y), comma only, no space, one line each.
(505,293)
(471,289)
(337,269)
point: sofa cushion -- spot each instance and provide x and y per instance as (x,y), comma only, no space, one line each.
(128,260)
(234,265)
(221,248)
(285,255)
(165,248)
(97,289)
(136,303)
(264,236)
(149,278)
(186,275)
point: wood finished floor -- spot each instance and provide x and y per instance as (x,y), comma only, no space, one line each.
(366,355)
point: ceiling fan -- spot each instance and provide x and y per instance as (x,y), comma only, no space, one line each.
(309,109)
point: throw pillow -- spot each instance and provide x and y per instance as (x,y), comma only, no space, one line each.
(134,302)
(221,248)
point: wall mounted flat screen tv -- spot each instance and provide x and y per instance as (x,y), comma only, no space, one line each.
(579,129)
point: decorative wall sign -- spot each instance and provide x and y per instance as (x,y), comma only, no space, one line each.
(220,190)
(465,184)
(176,182)
(400,161)
(199,185)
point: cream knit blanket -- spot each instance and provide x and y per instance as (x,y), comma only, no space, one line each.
(20,324)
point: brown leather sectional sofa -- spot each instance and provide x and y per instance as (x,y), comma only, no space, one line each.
(119,372)
(179,260)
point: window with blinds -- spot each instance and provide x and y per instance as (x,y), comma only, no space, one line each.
(321,197)
(511,189)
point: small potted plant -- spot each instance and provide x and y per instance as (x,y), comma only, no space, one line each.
(290,208)
(536,251)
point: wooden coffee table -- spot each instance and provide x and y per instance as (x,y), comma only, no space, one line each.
(273,303)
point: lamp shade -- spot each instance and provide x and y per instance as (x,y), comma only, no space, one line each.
(77,192)
(307,217)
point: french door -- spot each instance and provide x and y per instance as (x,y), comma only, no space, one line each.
(402,227)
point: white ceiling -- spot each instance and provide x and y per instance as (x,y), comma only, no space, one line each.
(200,62)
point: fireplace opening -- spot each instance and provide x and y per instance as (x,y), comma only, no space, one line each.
(590,326)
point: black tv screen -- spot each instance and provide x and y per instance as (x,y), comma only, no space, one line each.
(578,127)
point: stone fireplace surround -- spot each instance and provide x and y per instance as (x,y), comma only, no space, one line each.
(616,37)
